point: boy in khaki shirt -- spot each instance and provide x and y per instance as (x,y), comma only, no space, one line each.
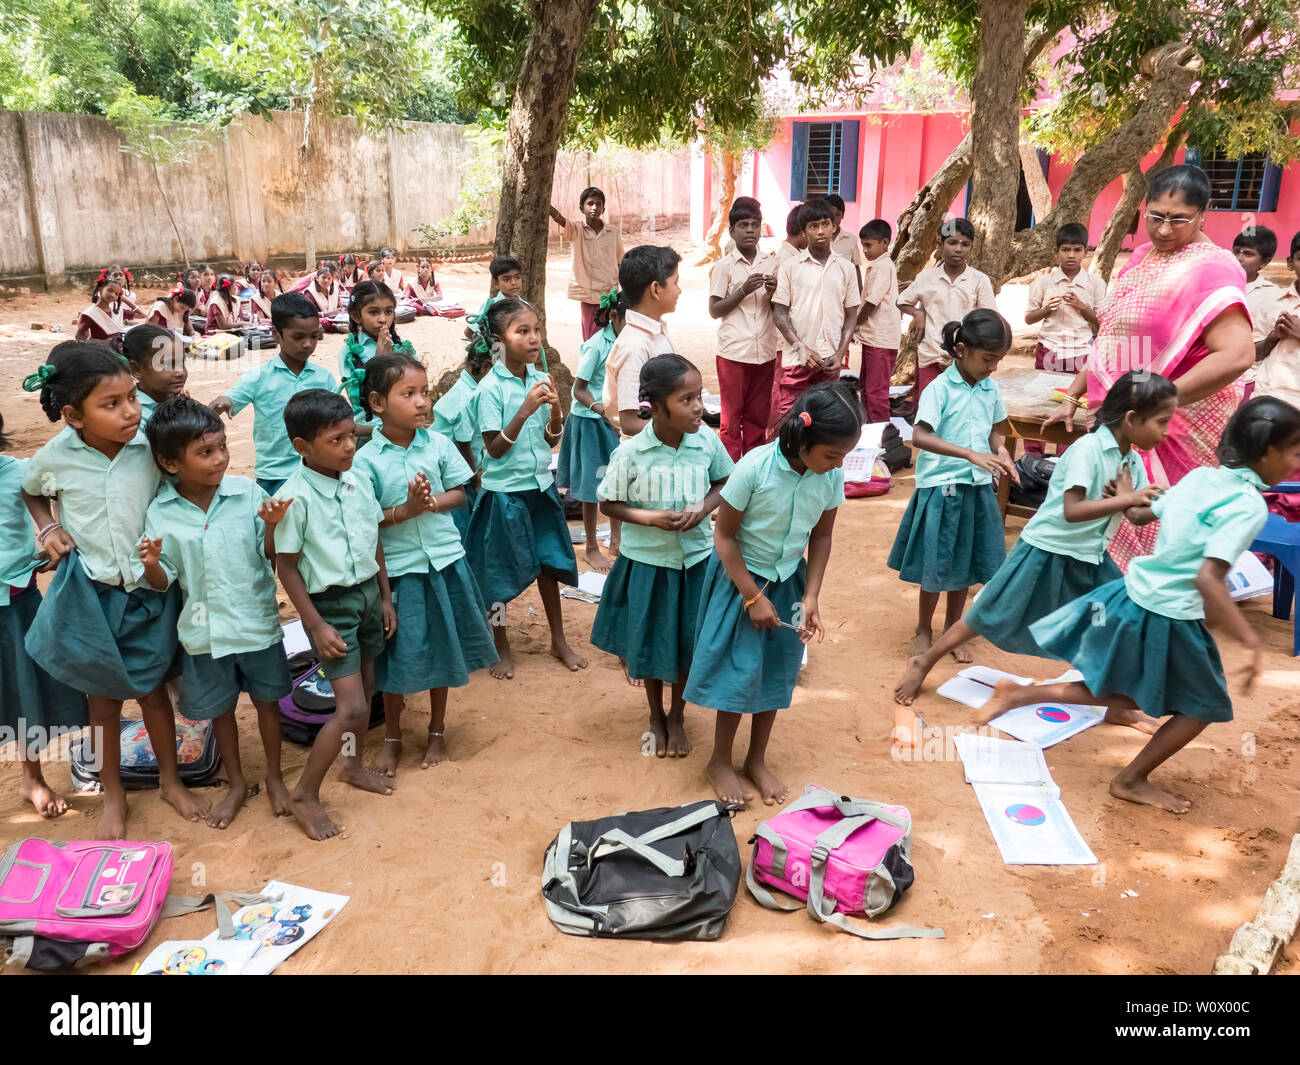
(1254,248)
(1279,370)
(597,251)
(879,329)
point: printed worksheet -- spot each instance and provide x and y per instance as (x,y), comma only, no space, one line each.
(1031,826)
(280,927)
(193,957)
(989,760)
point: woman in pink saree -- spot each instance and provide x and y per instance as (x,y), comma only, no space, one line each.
(1178,308)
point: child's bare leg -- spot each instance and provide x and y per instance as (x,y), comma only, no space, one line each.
(678,745)
(550,589)
(226,730)
(268,726)
(504,667)
(361,688)
(926,605)
(769,784)
(654,695)
(615,535)
(595,558)
(952,618)
(635,682)
(719,770)
(437,749)
(1131,782)
(919,666)
(1008,695)
(160,722)
(386,763)
(106,737)
(44,799)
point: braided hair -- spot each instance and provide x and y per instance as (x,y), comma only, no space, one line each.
(70,373)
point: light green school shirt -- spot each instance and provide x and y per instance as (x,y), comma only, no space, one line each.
(1087,464)
(429,539)
(592,357)
(961,415)
(333,526)
(455,417)
(268,388)
(147,406)
(645,472)
(527,464)
(218,556)
(1213,512)
(102,503)
(17,534)
(780,509)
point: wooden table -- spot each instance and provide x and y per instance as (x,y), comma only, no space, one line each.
(1027,395)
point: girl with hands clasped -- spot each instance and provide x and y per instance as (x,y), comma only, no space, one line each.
(371,312)
(951,534)
(517,533)
(759,603)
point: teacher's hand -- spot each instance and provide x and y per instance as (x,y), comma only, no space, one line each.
(1063,415)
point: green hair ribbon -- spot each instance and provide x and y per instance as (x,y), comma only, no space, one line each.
(38,380)
(609,299)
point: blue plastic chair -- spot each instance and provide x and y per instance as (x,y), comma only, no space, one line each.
(1281,539)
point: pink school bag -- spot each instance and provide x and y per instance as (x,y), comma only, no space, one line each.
(841,856)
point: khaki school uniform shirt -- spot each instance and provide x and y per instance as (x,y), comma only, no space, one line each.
(642,338)
(1279,374)
(818,295)
(945,300)
(883,327)
(595,259)
(748,333)
(1065,331)
(850,247)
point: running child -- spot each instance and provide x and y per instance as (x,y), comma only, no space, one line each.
(102,320)
(331,563)
(879,328)
(423,289)
(649,280)
(372,310)
(1061,553)
(589,436)
(156,358)
(101,629)
(222,306)
(517,533)
(33,705)
(759,603)
(173,310)
(214,535)
(951,534)
(664,483)
(597,251)
(1141,640)
(295,325)
(455,417)
(418,477)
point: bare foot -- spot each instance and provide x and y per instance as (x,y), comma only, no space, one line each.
(311,815)
(45,801)
(770,786)
(386,763)
(636,682)
(659,733)
(278,795)
(613,548)
(1148,794)
(223,814)
(597,561)
(504,667)
(366,779)
(112,822)
(1133,719)
(184,801)
(566,654)
(962,654)
(678,745)
(436,752)
(921,642)
(726,783)
(906,732)
(999,702)
(907,689)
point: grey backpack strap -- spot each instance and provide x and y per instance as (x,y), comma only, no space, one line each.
(176,905)
(617,840)
(764,897)
(823,911)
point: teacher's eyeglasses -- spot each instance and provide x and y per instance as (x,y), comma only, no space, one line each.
(1175,222)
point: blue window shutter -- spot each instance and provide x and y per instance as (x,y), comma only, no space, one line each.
(1269,190)
(848,186)
(798,162)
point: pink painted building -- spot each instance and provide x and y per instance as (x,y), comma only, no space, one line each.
(877,160)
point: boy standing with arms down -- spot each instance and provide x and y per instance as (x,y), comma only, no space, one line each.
(879,329)
(597,251)
(815,309)
(740,297)
(941,294)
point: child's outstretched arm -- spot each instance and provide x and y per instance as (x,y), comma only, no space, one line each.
(558,218)
(819,553)
(1211,582)
(762,614)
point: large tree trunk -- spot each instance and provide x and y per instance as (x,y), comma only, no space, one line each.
(729,164)
(995,130)
(533,134)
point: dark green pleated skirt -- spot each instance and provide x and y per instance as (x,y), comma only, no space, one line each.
(515,537)
(950,538)
(31,699)
(584,454)
(736,667)
(462,513)
(1029,585)
(1165,665)
(647,617)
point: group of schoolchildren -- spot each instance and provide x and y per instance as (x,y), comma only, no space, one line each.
(400,529)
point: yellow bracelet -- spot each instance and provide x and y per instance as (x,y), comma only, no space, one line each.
(757,597)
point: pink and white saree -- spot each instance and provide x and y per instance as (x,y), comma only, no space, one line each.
(1153,318)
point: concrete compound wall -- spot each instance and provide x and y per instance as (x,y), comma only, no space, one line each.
(71,201)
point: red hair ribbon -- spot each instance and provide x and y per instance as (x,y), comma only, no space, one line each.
(806,418)
(177,290)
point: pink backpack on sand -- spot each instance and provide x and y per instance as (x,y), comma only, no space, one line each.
(841,856)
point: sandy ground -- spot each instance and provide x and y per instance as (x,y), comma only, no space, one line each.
(445,875)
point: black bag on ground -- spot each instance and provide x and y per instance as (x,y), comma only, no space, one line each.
(304,711)
(670,873)
(897,456)
(1035,472)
